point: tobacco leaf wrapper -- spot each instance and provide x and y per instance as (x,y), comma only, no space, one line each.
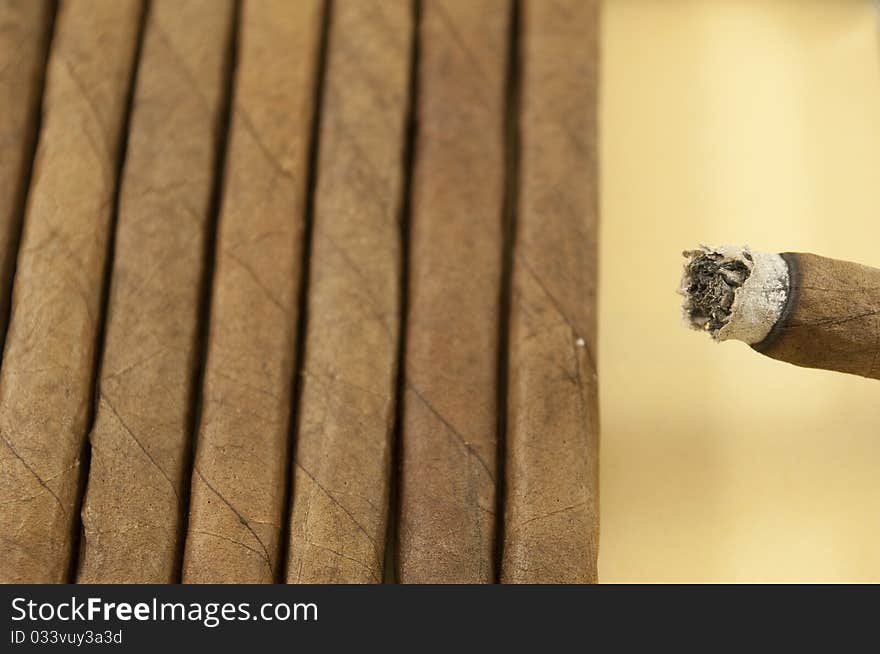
(239,480)
(802,308)
(449,471)
(141,440)
(24,38)
(48,364)
(551,524)
(346,417)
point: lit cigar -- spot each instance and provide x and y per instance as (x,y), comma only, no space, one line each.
(801,308)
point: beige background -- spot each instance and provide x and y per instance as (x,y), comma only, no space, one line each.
(749,122)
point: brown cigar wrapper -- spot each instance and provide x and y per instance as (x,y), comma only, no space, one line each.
(551,530)
(449,472)
(347,407)
(831,319)
(141,440)
(149,397)
(47,375)
(239,479)
(24,40)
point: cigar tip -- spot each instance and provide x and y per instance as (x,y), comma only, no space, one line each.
(733,292)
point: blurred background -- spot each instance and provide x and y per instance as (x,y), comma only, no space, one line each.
(746,122)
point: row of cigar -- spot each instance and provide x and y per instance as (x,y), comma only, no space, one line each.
(298,291)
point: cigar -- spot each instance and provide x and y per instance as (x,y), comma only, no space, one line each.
(802,308)
(551,527)
(48,364)
(449,469)
(141,441)
(24,39)
(341,473)
(239,480)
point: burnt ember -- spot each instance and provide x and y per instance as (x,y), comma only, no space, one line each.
(711,281)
